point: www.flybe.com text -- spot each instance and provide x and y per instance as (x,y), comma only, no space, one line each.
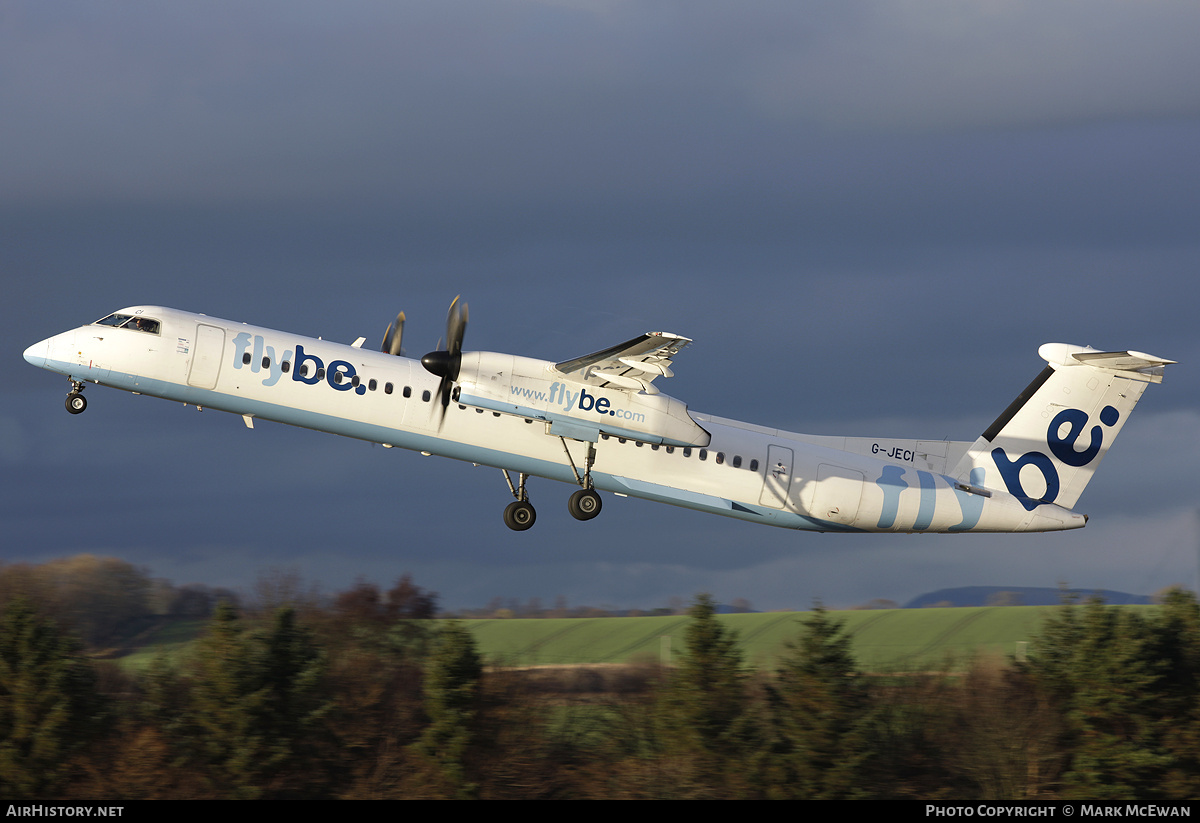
(561,395)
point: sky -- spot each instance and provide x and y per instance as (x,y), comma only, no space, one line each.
(868,216)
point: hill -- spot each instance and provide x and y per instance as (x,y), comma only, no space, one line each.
(883,640)
(1019,596)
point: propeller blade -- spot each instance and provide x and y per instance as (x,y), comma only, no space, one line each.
(445,363)
(456,325)
(393,336)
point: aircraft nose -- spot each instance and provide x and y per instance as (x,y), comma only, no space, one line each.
(36,354)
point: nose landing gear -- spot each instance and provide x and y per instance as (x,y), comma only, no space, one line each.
(76,402)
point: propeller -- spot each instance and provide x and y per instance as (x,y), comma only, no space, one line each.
(393,335)
(446,362)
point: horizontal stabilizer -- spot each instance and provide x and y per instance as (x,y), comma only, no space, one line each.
(1147,366)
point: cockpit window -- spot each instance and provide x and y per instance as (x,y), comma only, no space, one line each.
(128,321)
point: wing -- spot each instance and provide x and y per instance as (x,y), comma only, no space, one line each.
(630,365)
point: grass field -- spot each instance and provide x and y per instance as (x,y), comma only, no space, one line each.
(169,638)
(883,640)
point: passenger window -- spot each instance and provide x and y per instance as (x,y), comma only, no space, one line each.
(285,366)
(704,454)
(754,465)
(425,396)
(372,384)
(266,362)
(246,359)
(720,458)
(407,392)
(687,452)
(387,388)
(737,461)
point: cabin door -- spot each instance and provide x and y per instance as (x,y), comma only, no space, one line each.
(206,357)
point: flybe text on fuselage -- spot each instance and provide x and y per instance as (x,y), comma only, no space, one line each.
(252,351)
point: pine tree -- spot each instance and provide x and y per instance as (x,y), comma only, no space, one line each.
(227,698)
(49,708)
(703,710)
(1177,644)
(294,707)
(1098,664)
(452,695)
(820,709)
(254,708)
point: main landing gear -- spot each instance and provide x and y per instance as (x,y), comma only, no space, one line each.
(76,402)
(519,515)
(583,504)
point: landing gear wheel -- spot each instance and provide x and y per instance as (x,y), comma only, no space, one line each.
(584,504)
(519,515)
(76,402)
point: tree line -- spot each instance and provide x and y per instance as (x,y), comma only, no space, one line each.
(367,695)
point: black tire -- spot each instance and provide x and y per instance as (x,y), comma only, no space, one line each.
(76,403)
(519,516)
(584,504)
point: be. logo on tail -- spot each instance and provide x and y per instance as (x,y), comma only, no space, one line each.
(1062,446)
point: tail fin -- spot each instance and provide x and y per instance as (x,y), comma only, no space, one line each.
(1048,442)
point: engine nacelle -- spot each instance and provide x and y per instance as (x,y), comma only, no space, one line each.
(535,389)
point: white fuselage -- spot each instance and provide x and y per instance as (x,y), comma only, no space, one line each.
(758,474)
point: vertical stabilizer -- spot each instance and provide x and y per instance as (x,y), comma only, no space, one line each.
(1048,442)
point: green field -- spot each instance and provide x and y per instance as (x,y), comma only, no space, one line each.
(891,640)
(171,639)
(883,640)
